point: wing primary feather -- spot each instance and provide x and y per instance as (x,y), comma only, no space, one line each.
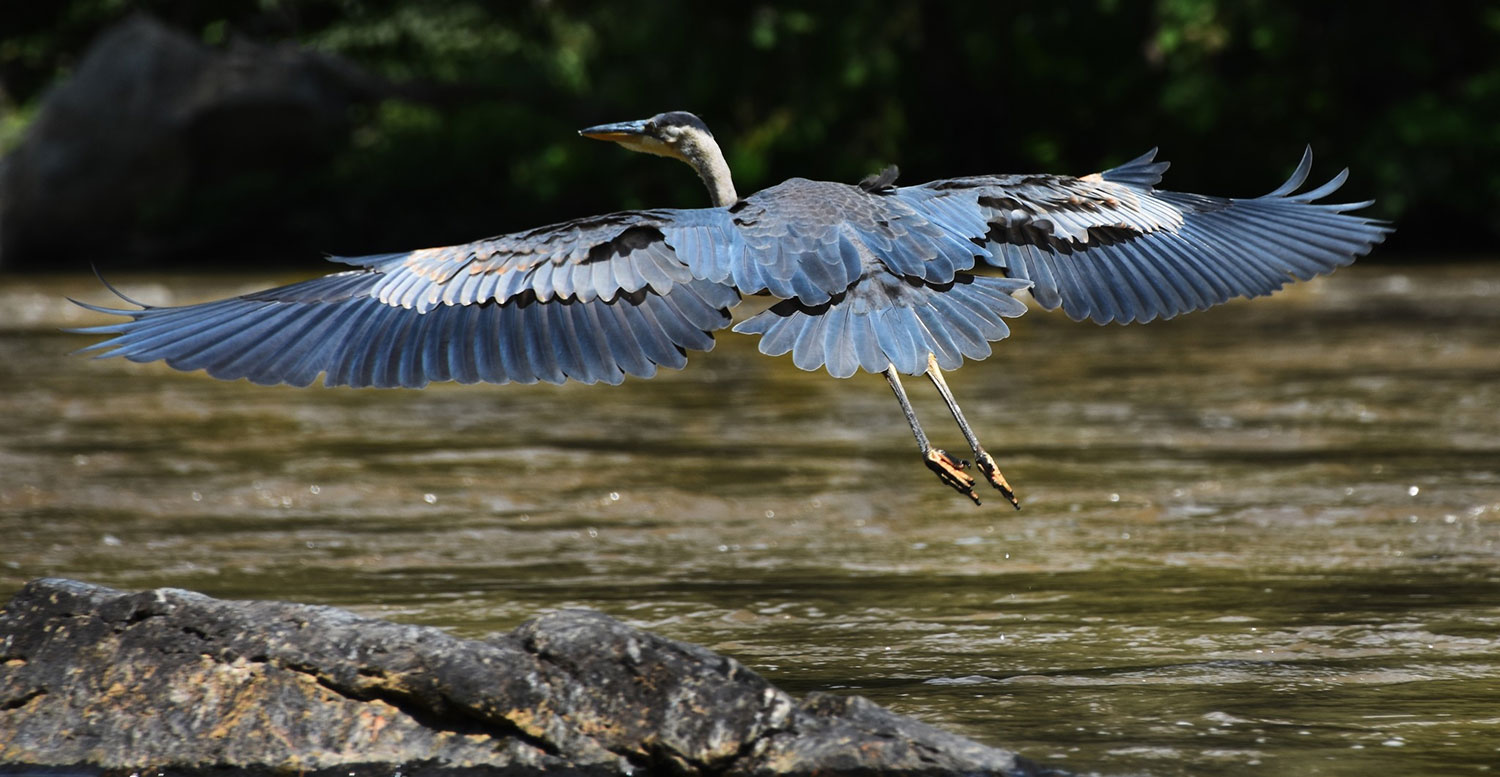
(1297,177)
(866,343)
(301,362)
(592,321)
(592,351)
(499,337)
(197,348)
(935,334)
(776,328)
(808,354)
(323,343)
(157,328)
(390,371)
(434,333)
(352,327)
(1149,301)
(535,352)
(461,345)
(358,347)
(958,321)
(112,290)
(560,349)
(228,340)
(1075,295)
(623,345)
(678,326)
(269,346)
(654,341)
(1333,185)
(895,338)
(965,305)
(838,350)
(566,342)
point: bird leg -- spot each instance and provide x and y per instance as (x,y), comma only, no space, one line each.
(984,460)
(948,470)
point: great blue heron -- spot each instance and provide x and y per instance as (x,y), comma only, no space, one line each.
(874,276)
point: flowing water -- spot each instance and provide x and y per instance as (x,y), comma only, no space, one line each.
(1263,539)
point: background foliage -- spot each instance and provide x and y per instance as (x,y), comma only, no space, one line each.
(482,136)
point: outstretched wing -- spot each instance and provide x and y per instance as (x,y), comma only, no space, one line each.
(590,300)
(870,276)
(1111,248)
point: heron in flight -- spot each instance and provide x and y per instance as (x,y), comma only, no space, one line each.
(873,277)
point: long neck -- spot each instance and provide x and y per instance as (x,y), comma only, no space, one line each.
(705,157)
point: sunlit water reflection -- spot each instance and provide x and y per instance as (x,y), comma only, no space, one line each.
(1261,539)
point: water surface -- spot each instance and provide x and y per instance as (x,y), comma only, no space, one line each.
(1264,539)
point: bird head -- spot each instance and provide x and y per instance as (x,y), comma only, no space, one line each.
(676,134)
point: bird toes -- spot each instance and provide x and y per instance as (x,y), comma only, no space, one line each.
(992,473)
(951,472)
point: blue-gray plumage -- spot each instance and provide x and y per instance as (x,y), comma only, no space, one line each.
(874,277)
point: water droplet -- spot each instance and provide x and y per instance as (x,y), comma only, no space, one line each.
(1413,491)
(614,496)
(314,489)
(1114,497)
(430,498)
(197,497)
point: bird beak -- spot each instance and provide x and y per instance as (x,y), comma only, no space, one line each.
(619,132)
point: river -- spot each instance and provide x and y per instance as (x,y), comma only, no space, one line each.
(1263,539)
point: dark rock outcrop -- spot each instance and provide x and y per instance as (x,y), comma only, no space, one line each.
(94,677)
(148,148)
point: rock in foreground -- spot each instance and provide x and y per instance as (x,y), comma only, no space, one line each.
(91,676)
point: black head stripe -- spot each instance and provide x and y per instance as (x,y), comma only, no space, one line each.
(680,119)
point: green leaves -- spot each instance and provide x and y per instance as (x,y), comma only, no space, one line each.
(486,96)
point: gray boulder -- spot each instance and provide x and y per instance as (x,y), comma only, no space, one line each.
(141,152)
(97,678)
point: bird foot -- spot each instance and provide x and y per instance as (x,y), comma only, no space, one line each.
(991,472)
(951,471)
